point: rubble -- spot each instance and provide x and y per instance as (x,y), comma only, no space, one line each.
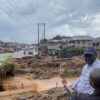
(45,69)
(52,94)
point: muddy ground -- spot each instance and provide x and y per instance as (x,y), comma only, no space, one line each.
(48,68)
(52,94)
(50,89)
(32,69)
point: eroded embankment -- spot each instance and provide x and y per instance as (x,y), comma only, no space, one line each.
(29,86)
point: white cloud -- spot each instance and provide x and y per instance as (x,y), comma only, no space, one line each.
(19,18)
(77,31)
(5,39)
(61,30)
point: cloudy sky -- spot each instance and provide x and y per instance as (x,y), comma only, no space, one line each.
(19,18)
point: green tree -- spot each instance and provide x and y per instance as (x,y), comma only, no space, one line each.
(43,41)
(57,37)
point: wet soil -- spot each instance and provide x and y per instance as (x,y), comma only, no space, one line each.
(41,79)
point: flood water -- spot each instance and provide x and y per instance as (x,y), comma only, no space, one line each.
(18,54)
(40,84)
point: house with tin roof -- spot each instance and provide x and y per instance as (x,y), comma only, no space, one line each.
(80,41)
(95,43)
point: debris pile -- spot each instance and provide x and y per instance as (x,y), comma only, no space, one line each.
(42,69)
(52,94)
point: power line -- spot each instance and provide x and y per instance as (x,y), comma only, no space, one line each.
(16,7)
(13,6)
(5,10)
(20,7)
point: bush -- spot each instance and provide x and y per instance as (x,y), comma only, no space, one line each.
(16,67)
(65,73)
(9,60)
(37,57)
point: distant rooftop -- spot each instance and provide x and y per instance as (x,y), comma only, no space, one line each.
(53,47)
(95,40)
(1,41)
(54,40)
(82,37)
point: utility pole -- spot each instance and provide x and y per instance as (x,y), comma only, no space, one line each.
(43,44)
(38,39)
(44,31)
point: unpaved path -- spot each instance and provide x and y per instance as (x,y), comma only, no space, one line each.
(51,83)
(32,85)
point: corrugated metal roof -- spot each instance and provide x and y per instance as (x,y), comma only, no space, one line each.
(81,37)
(53,48)
(54,40)
(95,40)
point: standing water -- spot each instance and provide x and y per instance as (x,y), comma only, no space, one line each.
(16,54)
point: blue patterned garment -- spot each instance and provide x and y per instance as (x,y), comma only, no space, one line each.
(82,85)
